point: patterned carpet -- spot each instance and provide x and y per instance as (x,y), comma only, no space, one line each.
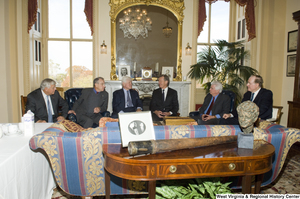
(288,181)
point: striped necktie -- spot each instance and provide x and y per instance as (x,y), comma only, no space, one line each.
(211,105)
(50,118)
(252,95)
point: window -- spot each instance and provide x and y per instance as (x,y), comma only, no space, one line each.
(216,26)
(70,44)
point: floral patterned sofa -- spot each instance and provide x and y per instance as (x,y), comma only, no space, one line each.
(76,156)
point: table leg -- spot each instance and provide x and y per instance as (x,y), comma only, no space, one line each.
(107,185)
(246,184)
(152,189)
(258,180)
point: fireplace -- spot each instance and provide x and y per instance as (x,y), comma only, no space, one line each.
(145,89)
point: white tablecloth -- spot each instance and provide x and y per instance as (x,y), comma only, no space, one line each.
(24,174)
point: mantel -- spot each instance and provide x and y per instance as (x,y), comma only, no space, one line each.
(145,89)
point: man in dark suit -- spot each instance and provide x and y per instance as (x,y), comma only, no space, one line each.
(91,103)
(262,97)
(44,103)
(164,100)
(126,99)
(214,106)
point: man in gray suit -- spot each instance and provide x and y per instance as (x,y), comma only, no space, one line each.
(91,103)
(214,106)
(45,101)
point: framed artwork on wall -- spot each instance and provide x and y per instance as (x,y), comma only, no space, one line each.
(292,40)
(168,70)
(124,71)
(291,65)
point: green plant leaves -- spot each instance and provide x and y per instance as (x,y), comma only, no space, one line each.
(191,188)
(223,63)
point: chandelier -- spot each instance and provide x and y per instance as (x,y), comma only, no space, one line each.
(167,31)
(135,23)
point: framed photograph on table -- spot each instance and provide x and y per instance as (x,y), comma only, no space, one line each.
(292,40)
(291,65)
(136,126)
(168,70)
(124,71)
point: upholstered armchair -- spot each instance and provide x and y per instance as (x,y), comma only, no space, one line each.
(71,95)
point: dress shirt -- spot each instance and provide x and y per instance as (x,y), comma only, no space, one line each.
(166,92)
(125,94)
(255,94)
(218,115)
(165,97)
(45,99)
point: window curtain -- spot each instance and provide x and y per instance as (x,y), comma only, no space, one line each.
(88,10)
(249,15)
(32,13)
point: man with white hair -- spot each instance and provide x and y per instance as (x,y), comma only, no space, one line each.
(126,99)
(44,103)
(214,106)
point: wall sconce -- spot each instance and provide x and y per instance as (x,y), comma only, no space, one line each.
(188,50)
(103,48)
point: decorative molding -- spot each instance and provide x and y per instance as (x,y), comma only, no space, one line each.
(174,6)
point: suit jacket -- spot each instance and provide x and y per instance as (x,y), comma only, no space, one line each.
(80,106)
(37,105)
(119,101)
(264,101)
(170,103)
(221,105)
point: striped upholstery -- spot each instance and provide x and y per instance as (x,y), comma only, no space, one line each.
(77,161)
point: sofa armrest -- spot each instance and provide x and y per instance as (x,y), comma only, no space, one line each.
(194,113)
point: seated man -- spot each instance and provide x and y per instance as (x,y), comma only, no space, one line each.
(126,99)
(44,103)
(91,103)
(214,106)
(263,98)
(164,100)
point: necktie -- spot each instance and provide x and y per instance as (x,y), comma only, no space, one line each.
(129,101)
(163,95)
(210,107)
(252,95)
(50,118)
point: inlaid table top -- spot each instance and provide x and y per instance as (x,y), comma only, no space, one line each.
(210,161)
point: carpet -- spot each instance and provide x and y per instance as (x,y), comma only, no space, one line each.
(288,181)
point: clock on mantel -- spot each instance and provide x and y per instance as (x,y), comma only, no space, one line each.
(146,74)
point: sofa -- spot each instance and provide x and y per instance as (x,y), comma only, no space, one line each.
(75,154)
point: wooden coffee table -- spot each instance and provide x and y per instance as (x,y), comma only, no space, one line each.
(211,161)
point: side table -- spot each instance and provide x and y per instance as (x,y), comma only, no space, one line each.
(211,161)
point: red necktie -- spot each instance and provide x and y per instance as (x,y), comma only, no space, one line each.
(211,105)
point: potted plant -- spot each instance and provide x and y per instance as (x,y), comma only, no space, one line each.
(224,63)
(192,188)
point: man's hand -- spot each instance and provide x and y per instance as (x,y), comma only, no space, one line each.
(97,110)
(226,115)
(206,117)
(159,114)
(60,118)
(41,121)
(166,113)
(138,110)
(71,111)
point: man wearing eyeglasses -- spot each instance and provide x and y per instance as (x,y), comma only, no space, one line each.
(262,97)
